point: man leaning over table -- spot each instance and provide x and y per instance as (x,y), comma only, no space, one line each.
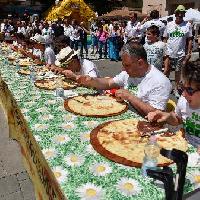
(72,66)
(153,87)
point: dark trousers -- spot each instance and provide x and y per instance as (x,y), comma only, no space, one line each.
(102,45)
(83,45)
(74,44)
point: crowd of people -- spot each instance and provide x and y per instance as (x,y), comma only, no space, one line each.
(148,49)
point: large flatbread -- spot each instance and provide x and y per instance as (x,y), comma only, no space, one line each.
(121,141)
(51,84)
(95,105)
(24,62)
(26,71)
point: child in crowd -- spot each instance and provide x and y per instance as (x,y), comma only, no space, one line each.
(155,49)
(188,107)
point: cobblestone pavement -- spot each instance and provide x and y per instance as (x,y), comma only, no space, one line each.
(14,180)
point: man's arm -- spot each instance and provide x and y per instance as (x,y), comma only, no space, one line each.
(189,51)
(142,107)
(98,83)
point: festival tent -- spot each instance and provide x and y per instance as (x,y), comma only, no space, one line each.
(123,13)
(76,9)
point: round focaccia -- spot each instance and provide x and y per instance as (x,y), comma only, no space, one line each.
(51,84)
(122,142)
(95,105)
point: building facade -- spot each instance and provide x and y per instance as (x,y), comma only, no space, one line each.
(166,7)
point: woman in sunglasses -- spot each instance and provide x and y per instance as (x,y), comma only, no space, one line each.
(188,107)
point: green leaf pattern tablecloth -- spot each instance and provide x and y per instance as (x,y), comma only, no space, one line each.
(64,140)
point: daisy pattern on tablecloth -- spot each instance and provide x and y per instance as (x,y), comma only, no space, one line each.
(68,125)
(85,137)
(41,110)
(90,124)
(40,127)
(193,160)
(74,160)
(27,118)
(51,102)
(61,139)
(37,138)
(100,169)
(24,110)
(46,117)
(61,108)
(124,166)
(90,150)
(30,103)
(60,174)
(128,187)
(89,191)
(194,178)
(49,153)
(69,117)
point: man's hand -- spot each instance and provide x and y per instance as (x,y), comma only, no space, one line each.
(158,116)
(58,70)
(123,94)
(84,79)
(69,74)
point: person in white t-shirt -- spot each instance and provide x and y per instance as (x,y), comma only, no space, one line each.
(47,30)
(49,54)
(69,64)
(188,107)
(151,88)
(132,30)
(155,49)
(154,16)
(176,34)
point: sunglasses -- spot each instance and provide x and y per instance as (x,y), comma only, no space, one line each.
(190,91)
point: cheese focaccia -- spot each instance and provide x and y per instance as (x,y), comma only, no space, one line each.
(51,84)
(121,142)
(96,106)
(24,71)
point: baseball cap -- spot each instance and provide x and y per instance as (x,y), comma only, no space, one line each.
(180,8)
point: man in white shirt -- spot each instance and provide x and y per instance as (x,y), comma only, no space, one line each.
(176,34)
(154,16)
(69,64)
(49,54)
(47,30)
(74,35)
(152,87)
(132,29)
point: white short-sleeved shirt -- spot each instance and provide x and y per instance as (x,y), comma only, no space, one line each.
(133,30)
(152,22)
(154,88)
(38,53)
(49,56)
(190,117)
(155,53)
(88,68)
(177,35)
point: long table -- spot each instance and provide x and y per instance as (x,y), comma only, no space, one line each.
(56,149)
